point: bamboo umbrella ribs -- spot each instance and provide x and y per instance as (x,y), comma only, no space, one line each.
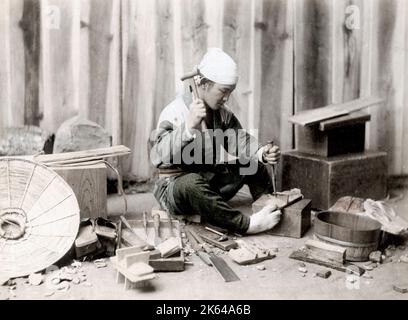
(39,217)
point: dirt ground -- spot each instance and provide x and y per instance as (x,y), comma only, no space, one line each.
(280,279)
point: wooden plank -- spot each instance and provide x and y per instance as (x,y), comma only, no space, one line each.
(404,154)
(386,34)
(396,121)
(347,267)
(99,50)
(277,72)
(348,29)
(256,65)
(193,32)
(5,85)
(310,117)
(236,39)
(350,119)
(224,269)
(59,84)
(214,12)
(18,70)
(325,251)
(164,90)
(313,51)
(30,26)
(82,156)
(139,79)
(223,245)
(313,26)
(113,116)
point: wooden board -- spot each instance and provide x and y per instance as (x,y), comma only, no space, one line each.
(276,59)
(349,119)
(224,269)
(328,252)
(236,37)
(310,117)
(60,54)
(82,156)
(89,184)
(347,267)
(223,245)
(349,27)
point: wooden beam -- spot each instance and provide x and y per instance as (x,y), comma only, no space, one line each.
(313,116)
(276,102)
(30,24)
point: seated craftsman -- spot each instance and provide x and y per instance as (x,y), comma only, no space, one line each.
(194,177)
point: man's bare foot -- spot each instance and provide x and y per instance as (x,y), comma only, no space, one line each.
(263,220)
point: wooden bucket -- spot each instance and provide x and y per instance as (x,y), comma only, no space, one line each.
(360,235)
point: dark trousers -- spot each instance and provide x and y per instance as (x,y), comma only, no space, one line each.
(195,193)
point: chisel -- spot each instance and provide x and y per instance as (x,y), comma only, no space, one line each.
(145,223)
(273,170)
(156,223)
(219,264)
(199,251)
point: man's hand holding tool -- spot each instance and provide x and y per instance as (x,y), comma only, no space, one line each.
(271,153)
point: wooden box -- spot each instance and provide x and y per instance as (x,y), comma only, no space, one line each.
(168,228)
(295,220)
(325,180)
(337,136)
(89,183)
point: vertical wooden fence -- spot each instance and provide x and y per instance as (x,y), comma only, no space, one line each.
(118,62)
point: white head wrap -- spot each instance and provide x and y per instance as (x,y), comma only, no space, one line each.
(219,67)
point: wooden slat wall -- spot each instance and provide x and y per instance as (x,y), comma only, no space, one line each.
(335,64)
(118,62)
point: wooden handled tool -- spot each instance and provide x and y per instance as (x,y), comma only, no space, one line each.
(156,223)
(198,250)
(145,223)
(127,224)
(273,171)
(193,89)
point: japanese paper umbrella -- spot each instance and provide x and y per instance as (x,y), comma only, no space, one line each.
(39,217)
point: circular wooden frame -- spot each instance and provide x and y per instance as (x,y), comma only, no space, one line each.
(42,215)
(359,234)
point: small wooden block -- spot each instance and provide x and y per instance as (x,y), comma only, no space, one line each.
(267,199)
(223,245)
(400,288)
(248,254)
(324,274)
(294,221)
(169,247)
(324,251)
(375,256)
(155,254)
(123,252)
(139,257)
